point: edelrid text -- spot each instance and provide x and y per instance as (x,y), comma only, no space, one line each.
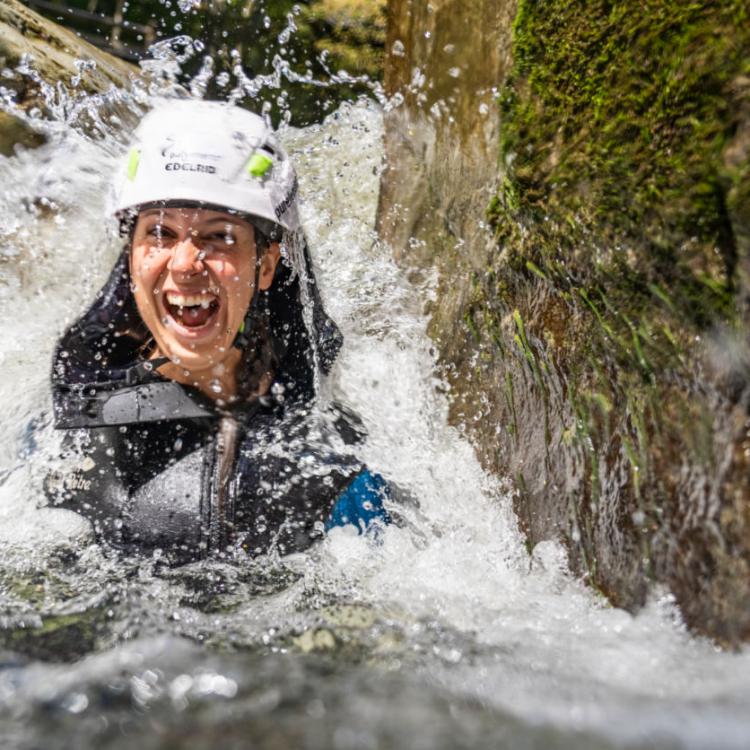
(175,166)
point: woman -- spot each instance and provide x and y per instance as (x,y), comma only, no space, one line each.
(188,386)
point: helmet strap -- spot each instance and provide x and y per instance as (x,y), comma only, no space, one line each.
(242,339)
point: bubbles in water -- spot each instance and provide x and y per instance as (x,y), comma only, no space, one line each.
(187,5)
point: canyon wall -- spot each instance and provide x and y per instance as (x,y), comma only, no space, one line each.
(578,176)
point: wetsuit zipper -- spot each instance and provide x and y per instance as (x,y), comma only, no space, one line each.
(219,489)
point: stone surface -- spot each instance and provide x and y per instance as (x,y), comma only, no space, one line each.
(596,344)
(52,52)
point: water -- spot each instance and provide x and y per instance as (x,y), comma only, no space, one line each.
(448,634)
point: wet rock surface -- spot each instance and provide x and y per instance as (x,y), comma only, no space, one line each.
(54,54)
(596,341)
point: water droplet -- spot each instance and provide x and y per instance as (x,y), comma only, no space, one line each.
(215,386)
(76,703)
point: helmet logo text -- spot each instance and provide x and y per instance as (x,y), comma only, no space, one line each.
(174,166)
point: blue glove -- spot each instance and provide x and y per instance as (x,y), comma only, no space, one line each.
(361,503)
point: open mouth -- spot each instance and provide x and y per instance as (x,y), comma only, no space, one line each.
(192,310)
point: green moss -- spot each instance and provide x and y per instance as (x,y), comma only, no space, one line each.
(614,125)
(615,118)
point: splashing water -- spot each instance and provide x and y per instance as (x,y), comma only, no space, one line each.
(446,634)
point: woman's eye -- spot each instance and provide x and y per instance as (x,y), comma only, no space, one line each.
(159,232)
(222,238)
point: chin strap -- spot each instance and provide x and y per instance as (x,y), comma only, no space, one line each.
(242,339)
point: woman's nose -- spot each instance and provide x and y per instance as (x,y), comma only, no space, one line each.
(186,258)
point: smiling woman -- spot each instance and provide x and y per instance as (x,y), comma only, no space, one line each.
(188,388)
(194,273)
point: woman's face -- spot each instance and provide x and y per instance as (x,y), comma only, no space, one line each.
(193,271)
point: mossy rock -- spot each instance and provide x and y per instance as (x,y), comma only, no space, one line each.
(56,638)
(625,135)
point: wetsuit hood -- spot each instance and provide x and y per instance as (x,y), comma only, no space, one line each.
(100,375)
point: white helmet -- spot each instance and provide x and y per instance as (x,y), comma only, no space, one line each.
(209,153)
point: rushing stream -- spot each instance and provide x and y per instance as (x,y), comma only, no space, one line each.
(446,634)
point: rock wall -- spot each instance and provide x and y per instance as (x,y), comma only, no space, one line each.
(52,52)
(596,344)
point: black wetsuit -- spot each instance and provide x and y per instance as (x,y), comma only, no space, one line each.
(154,464)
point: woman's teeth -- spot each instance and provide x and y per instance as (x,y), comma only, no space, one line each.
(189,300)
